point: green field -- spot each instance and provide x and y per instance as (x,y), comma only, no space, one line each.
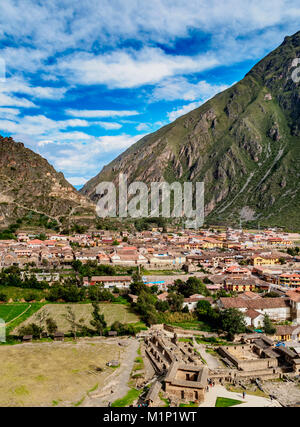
(112,312)
(15,314)
(224,402)
(16,294)
(8,312)
(127,400)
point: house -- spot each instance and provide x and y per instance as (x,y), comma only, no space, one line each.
(59,336)
(287,333)
(278,309)
(237,271)
(258,260)
(193,300)
(110,282)
(239,285)
(289,280)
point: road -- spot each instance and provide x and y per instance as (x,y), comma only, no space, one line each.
(117,383)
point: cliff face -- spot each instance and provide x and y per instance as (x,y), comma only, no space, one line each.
(243,143)
(29,184)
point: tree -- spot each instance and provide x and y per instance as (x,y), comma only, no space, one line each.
(3,297)
(233,322)
(51,326)
(192,286)
(98,321)
(203,309)
(71,319)
(162,306)
(269,328)
(175,301)
(41,317)
(137,286)
(32,329)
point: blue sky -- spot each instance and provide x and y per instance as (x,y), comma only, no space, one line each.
(86,79)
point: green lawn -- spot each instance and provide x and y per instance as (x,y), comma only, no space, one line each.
(193,325)
(127,400)
(9,312)
(188,405)
(224,402)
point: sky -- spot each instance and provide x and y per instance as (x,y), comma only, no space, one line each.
(81,81)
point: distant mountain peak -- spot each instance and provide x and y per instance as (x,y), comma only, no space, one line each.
(244,144)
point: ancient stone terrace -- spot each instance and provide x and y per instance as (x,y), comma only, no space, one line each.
(163,351)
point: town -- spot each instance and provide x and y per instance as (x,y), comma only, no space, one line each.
(205,309)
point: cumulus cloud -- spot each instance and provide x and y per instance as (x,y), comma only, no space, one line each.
(101,113)
(181,88)
(131,68)
(173,115)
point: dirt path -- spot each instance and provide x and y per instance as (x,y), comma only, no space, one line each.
(6,324)
(117,384)
(212,362)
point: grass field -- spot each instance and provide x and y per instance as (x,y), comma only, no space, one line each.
(224,402)
(127,400)
(112,312)
(16,294)
(53,374)
(19,312)
(8,312)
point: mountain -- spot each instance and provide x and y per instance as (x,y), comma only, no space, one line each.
(244,144)
(30,188)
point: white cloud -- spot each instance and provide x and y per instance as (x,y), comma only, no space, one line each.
(109,125)
(77,180)
(173,115)
(181,88)
(14,101)
(101,113)
(89,156)
(9,113)
(131,68)
(143,127)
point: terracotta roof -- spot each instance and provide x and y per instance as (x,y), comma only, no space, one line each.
(252,313)
(286,329)
(260,303)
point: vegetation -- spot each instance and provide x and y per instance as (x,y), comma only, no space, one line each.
(224,402)
(132,395)
(269,328)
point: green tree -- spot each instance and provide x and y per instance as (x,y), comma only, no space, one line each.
(51,326)
(3,297)
(269,328)
(98,321)
(233,322)
(31,329)
(203,309)
(175,301)
(71,319)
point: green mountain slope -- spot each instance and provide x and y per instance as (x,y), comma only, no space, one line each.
(244,144)
(31,188)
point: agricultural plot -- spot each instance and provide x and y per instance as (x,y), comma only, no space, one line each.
(54,374)
(8,312)
(112,312)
